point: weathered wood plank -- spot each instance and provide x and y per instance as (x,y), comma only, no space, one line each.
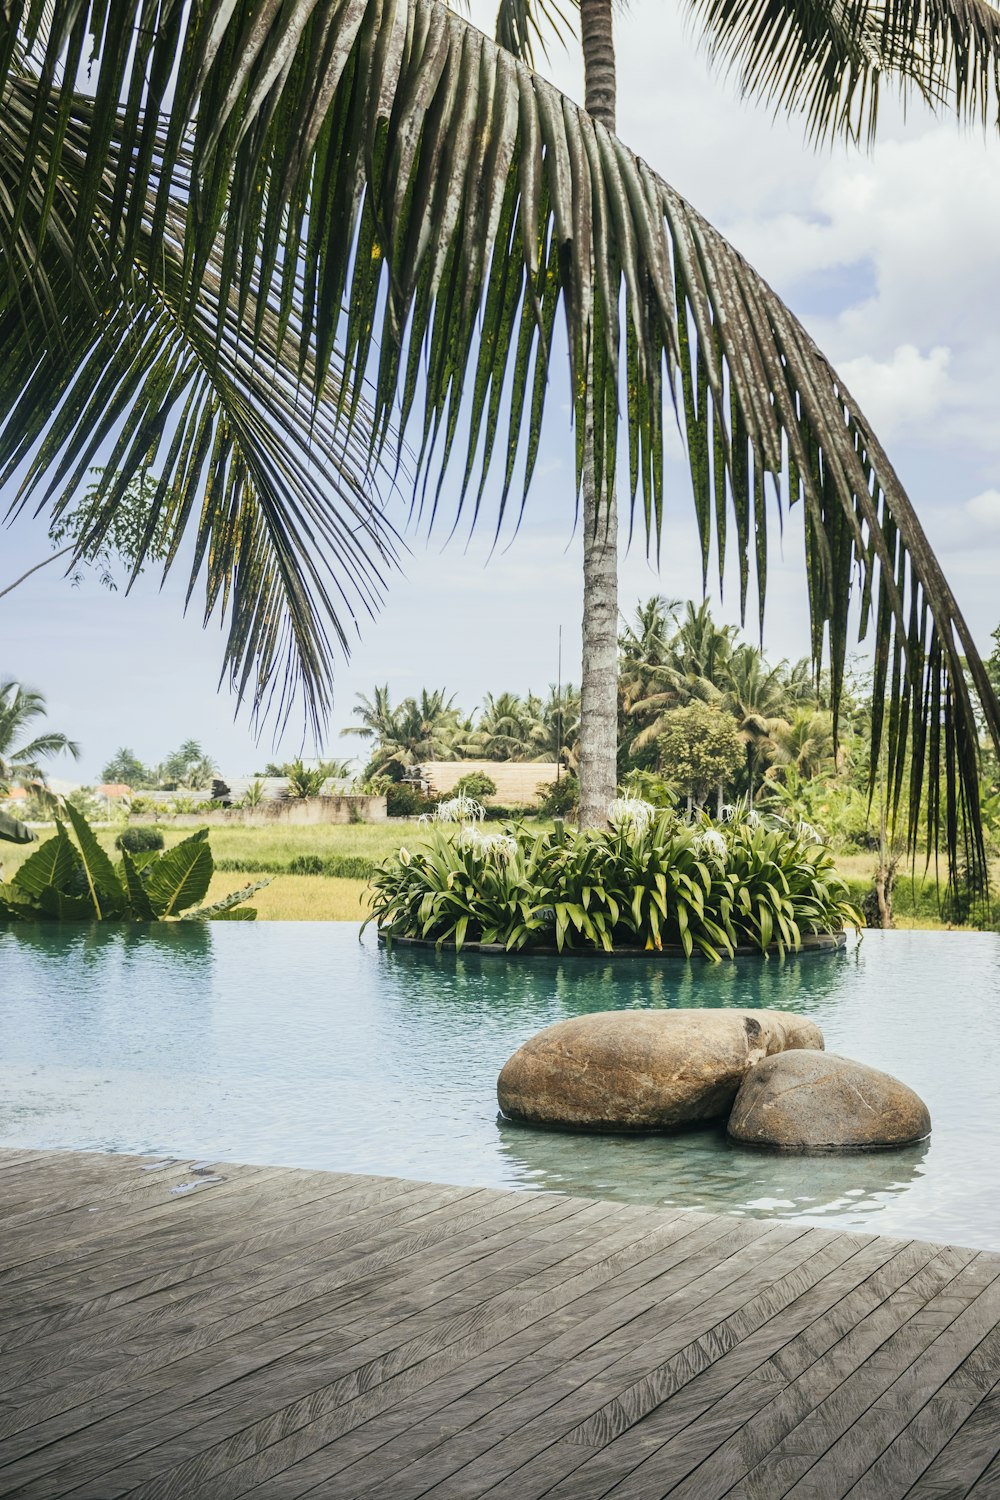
(169,1336)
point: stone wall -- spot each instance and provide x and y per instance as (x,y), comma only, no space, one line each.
(299,812)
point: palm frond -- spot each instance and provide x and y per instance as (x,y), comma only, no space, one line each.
(280,500)
(830,59)
(385,156)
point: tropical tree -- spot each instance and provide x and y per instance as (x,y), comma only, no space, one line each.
(187,766)
(700,752)
(555,734)
(387,158)
(756,696)
(23,753)
(415,731)
(807,743)
(504,727)
(126,769)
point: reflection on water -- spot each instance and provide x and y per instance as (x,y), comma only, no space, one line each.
(296,1044)
(701,1168)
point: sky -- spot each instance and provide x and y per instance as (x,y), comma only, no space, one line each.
(888,257)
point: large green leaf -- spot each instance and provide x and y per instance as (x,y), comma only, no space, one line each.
(230,908)
(14,831)
(104,889)
(384,157)
(140,906)
(180,877)
(56,865)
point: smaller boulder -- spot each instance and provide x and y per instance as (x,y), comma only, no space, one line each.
(817,1101)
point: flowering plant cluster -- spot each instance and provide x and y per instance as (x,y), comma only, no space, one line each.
(648,881)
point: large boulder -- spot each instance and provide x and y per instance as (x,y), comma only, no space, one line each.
(817,1101)
(643,1069)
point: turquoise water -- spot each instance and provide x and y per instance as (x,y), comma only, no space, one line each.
(293,1043)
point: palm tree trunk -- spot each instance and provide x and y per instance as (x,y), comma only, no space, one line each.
(598,748)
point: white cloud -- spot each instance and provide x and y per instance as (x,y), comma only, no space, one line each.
(902,391)
(984,509)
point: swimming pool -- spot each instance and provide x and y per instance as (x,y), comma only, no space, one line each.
(294,1044)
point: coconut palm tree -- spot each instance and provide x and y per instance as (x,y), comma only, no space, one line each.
(503,729)
(176,243)
(806,744)
(756,697)
(415,731)
(22,752)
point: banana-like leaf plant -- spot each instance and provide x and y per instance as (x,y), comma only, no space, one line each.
(13,831)
(65,881)
(238,174)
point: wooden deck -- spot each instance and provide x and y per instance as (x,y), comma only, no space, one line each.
(187,1331)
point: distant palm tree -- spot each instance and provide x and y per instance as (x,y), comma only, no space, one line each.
(806,744)
(22,759)
(756,695)
(555,734)
(504,726)
(417,730)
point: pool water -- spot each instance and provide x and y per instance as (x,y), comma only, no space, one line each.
(296,1044)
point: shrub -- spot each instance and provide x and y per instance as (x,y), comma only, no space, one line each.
(404,801)
(561,798)
(648,884)
(307,864)
(139,840)
(476,785)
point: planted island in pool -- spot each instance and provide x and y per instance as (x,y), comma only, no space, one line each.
(649,882)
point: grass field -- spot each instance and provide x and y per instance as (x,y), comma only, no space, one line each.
(256,853)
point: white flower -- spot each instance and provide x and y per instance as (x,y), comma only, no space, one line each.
(501,846)
(712,842)
(631,814)
(460,809)
(808,832)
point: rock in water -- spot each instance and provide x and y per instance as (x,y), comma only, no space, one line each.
(643,1069)
(817,1101)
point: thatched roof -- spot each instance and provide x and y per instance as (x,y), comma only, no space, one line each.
(517,781)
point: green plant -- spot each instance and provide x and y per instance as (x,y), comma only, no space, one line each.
(651,883)
(139,840)
(254,795)
(13,831)
(700,750)
(476,785)
(403,801)
(307,864)
(560,798)
(303,782)
(63,881)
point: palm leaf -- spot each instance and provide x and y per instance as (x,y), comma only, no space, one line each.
(362,153)
(829,59)
(181,876)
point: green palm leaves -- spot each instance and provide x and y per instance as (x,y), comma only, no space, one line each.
(829,58)
(383,157)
